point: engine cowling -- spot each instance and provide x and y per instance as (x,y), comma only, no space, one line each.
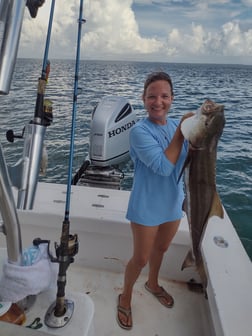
(111,122)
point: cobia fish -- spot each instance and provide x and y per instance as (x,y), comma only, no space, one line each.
(202,201)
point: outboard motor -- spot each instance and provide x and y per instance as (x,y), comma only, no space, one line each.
(109,142)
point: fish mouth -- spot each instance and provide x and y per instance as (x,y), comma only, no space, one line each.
(210,107)
(207,119)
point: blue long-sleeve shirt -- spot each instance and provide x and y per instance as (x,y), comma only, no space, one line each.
(156,195)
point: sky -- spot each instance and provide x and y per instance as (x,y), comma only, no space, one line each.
(187,31)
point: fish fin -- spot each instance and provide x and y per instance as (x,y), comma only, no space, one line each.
(189,260)
(217,209)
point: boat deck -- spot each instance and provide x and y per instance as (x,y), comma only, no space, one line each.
(98,218)
(189,316)
(98,271)
(150,318)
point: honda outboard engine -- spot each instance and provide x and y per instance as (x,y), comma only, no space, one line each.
(109,142)
(109,137)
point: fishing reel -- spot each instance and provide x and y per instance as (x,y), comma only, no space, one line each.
(73,248)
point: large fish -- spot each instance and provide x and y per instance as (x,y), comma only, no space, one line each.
(202,201)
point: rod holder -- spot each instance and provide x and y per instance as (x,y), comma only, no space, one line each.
(53,321)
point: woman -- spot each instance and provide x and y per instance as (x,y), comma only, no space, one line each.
(158,150)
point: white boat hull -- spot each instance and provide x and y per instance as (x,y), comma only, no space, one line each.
(105,245)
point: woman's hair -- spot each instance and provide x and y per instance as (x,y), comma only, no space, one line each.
(155,76)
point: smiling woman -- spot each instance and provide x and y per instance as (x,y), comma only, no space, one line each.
(155,203)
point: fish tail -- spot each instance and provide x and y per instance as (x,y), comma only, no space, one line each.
(189,260)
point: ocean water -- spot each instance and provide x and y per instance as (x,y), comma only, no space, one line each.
(230,85)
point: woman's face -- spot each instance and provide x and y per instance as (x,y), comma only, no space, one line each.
(157,101)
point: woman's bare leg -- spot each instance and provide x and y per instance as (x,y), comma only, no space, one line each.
(143,240)
(164,236)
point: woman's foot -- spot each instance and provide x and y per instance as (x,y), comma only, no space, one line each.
(124,316)
(163,297)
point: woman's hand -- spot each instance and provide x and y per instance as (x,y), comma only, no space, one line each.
(185,116)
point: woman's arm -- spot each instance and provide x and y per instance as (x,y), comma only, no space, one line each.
(172,152)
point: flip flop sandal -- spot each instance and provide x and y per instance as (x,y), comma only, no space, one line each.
(125,312)
(161,295)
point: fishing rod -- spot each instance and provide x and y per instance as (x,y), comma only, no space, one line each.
(61,311)
(43,115)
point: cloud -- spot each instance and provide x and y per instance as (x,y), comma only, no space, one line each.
(115,31)
(235,41)
(229,41)
(34,31)
(247,3)
(111,29)
(119,33)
